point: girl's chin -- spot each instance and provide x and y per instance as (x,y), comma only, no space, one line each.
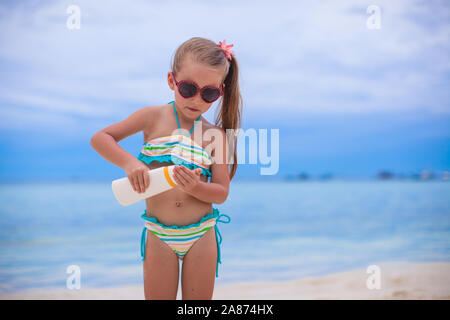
(191,115)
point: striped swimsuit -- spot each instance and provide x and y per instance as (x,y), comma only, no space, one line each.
(177,149)
(180,150)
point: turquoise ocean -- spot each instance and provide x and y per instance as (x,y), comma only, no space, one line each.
(278,231)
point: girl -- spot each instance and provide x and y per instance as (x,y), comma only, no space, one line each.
(181,224)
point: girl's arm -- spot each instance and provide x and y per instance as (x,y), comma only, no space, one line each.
(105,141)
(209,192)
(217,190)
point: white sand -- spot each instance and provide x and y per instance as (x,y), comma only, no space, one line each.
(398,281)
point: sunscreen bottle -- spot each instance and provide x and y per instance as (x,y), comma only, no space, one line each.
(161,179)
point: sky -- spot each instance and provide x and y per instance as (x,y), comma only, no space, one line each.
(346,98)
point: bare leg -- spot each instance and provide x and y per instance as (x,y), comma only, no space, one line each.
(161,270)
(199,268)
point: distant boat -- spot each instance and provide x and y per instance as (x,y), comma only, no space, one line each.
(415,176)
(289,177)
(385,175)
(426,175)
(302,176)
(326,176)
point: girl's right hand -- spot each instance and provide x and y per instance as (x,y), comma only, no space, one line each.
(138,175)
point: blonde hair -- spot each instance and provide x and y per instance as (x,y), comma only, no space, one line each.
(207,52)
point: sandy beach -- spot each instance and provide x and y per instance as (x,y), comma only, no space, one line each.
(398,280)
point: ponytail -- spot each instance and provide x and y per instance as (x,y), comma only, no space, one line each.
(230,113)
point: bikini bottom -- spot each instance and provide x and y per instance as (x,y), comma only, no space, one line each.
(181,238)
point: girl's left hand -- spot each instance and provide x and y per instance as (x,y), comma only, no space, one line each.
(186,178)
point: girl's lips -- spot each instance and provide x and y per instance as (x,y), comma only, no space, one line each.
(192,109)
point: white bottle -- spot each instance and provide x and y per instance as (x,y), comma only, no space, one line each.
(161,179)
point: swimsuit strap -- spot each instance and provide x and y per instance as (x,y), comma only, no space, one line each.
(219,236)
(178,122)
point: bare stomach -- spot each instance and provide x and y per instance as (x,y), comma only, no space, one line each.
(176,207)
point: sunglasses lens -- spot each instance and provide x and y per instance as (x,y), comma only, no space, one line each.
(210,95)
(187,90)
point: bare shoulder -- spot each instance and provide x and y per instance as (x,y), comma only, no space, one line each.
(138,121)
(151,113)
(218,130)
(214,132)
(207,125)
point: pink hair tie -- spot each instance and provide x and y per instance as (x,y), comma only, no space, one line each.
(226,49)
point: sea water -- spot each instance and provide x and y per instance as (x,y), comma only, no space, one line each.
(278,230)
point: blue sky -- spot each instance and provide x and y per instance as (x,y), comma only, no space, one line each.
(347,99)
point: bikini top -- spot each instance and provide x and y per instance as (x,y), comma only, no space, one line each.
(177,149)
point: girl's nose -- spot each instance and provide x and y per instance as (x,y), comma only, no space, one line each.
(197,101)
